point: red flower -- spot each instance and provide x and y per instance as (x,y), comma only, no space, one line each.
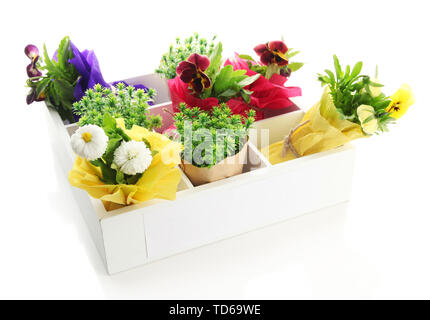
(191,72)
(272,52)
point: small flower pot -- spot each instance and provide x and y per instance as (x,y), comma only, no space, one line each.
(228,167)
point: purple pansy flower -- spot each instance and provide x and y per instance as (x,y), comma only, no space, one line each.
(32,53)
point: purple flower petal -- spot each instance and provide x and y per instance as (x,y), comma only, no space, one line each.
(31,96)
(32,70)
(31,51)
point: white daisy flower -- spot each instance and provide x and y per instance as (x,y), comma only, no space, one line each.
(132,157)
(89,141)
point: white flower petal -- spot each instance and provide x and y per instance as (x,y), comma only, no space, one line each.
(132,157)
(92,149)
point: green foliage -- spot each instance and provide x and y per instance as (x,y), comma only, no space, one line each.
(110,173)
(122,102)
(58,84)
(350,90)
(225,132)
(181,50)
(226,83)
(229,83)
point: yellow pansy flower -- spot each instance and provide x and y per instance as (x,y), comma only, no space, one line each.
(401,101)
(369,123)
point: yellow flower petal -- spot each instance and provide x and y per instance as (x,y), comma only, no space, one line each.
(401,100)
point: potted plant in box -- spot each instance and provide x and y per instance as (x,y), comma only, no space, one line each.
(124,167)
(205,82)
(63,79)
(351,107)
(215,142)
(119,101)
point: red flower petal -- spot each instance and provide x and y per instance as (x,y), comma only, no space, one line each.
(281,60)
(260,49)
(266,58)
(201,62)
(278,46)
(185,65)
(205,79)
(197,85)
(188,75)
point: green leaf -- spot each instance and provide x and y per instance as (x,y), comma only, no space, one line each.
(228,93)
(113,144)
(108,174)
(249,80)
(246,57)
(357,69)
(109,123)
(122,134)
(49,65)
(331,75)
(292,53)
(294,66)
(245,96)
(375,84)
(134,179)
(154,153)
(62,56)
(223,79)
(216,60)
(238,75)
(41,85)
(148,145)
(120,177)
(337,67)
(347,71)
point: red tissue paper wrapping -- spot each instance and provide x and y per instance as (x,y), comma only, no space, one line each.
(269,97)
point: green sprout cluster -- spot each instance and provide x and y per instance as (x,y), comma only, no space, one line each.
(349,90)
(180,51)
(120,102)
(226,130)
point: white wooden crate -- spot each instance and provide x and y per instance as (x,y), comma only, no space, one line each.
(263,195)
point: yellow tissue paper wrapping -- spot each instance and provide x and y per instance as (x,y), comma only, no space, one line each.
(160,180)
(324,131)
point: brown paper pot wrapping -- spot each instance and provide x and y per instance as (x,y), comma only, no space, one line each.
(229,167)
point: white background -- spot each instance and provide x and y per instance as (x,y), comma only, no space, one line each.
(377,248)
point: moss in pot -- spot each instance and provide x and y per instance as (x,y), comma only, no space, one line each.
(215,142)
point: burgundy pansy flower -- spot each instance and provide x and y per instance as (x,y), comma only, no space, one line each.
(192,70)
(272,52)
(32,53)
